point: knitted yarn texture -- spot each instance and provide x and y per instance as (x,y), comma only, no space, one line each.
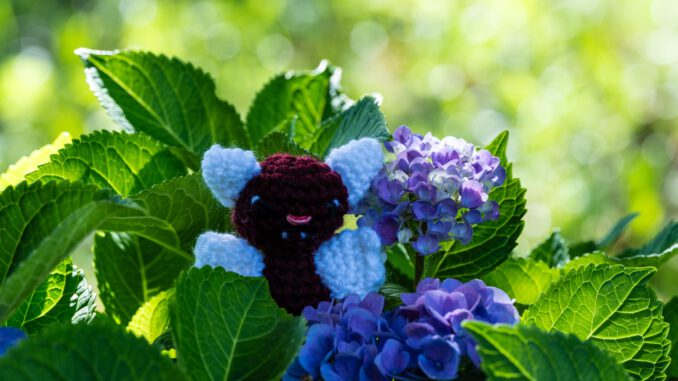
(287,209)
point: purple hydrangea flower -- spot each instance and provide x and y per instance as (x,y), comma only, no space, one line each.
(436,311)
(433,191)
(9,337)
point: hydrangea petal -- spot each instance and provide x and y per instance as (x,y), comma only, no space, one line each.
(439,359)
(393,359)
(318,345)
(426,244)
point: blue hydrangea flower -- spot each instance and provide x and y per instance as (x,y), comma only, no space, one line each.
(9,337)
(341,343)
(422,339)
(434,190)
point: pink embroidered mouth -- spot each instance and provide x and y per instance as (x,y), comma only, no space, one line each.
(298,220)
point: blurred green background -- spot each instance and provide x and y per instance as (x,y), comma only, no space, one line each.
(588,88)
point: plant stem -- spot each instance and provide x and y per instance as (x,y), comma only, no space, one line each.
(418,268)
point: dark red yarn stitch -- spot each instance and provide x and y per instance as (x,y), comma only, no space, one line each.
(301,186)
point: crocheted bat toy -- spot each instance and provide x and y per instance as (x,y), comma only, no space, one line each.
(287,208)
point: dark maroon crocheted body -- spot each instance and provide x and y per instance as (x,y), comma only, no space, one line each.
(273,212)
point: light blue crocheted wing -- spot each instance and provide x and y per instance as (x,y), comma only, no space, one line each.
(226,172)
(358,162)
(352,262)
(230,252)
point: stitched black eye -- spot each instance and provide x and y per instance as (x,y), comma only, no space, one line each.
(259,206)
(334,207)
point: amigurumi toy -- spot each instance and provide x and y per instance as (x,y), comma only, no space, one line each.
(287,208)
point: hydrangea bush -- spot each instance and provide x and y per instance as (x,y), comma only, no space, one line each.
(457,302)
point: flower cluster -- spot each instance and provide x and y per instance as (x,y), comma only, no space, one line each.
(355,340)
(341,343)
(433,191)
(429,324)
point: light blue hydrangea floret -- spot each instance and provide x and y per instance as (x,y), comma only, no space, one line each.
(227,170)
(351,262)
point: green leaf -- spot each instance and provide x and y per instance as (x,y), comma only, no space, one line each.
(278,142)
(42,223)
(126,163)
(658,251)
(43,299)
(27,164)
(613,308)
(152,319)
(398,259)
(78,302)
(578,249)
(527,353)
(523,279)
(130,269)
(671,317)
(187,205)
(299,96)
(664,240)
(584,247)
(227,327)
(492,241)
(617,230)
(654,260)
(64,297)
(655,253)
(363,119)
(168,99)
(596,257)
(86,352)
(553,251)
(392,292)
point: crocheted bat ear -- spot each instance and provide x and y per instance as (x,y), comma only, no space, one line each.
(226,172)
(358,162)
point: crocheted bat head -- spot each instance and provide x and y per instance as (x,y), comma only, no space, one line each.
(292,206)
(288,205)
